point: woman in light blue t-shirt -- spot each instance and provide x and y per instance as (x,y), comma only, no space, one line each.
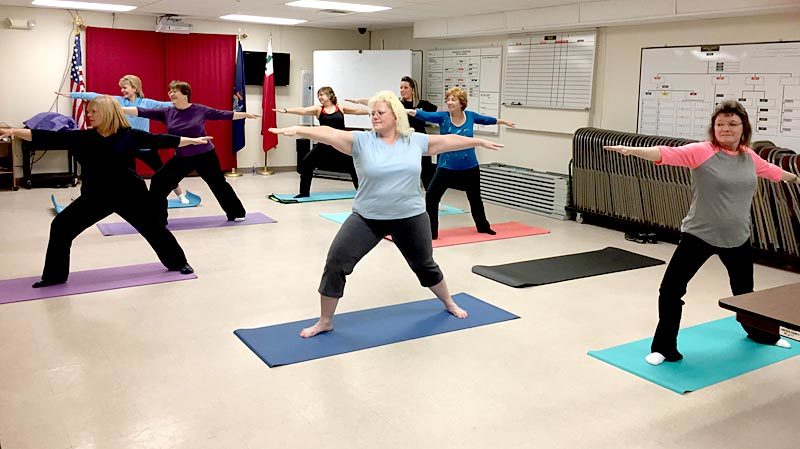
(388,200)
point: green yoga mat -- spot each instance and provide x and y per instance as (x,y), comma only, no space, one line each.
(288,198)
(712,352)
(340,217)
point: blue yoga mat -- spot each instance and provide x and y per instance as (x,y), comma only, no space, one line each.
(174,203)
(712,352)
(340,217)
(288,198)
(58,208)
(281,345)
(194,200)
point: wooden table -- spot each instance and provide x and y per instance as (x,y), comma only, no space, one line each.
(775,310)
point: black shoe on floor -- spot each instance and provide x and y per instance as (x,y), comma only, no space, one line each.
(302,195)
(489,231)
(638,237)
(185,269)
(651,237)
(43,283)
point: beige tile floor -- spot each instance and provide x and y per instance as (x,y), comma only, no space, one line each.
(159,367)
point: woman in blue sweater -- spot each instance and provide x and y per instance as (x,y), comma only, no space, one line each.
(132,96)
(457,169)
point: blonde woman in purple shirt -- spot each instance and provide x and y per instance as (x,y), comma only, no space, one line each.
(188,119)
(724,178)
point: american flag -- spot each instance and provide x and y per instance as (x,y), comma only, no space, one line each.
(76,84)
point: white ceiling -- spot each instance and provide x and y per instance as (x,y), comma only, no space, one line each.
(403,12)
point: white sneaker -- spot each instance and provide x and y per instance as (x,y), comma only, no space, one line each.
(240,219)
(183,199)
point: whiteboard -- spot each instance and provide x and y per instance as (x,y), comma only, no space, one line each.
(360,74)
(679,88)
(550,70)
(476,70)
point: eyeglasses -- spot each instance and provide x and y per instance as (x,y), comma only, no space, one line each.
(377,113)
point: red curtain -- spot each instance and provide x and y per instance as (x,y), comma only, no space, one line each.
(206,61)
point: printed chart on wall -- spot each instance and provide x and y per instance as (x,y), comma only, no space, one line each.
(680,86)
(475,70)
(550,70)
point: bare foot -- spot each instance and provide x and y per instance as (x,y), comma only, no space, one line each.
(317,328)
(457,312)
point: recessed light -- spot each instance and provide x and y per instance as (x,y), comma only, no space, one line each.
(321,4)
(262,19)
(83,5)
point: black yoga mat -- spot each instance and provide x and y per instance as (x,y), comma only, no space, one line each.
(564,268)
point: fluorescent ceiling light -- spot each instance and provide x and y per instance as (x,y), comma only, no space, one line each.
(83,5)
(261,19)
(320,4)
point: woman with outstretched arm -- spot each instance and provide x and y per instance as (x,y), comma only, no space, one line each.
(388,201)
(104,152)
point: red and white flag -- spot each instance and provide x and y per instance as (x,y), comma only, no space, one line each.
(268,116)
(76,84)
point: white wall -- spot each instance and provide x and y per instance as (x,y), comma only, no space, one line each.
(616,78)
(34,63)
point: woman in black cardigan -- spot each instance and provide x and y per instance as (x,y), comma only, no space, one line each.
(104,152)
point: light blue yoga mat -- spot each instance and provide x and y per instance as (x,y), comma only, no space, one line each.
(58,208)
(194,200)
(288,198)
(712,352)
(281,345)
(174,203)
(340,217)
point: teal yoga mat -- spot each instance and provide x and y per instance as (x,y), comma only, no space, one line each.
(57,207)
(712,352)
(174,203)
(194,200)
(340,217)
(288,198)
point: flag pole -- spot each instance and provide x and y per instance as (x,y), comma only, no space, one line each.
(265,171)
(268,102)
(233,173)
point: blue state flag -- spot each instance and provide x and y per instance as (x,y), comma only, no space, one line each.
(239,101)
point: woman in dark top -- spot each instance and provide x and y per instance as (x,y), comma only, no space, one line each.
(328,113)
(188,119)
(104,152)
(409,97)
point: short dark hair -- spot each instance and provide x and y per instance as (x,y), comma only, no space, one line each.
(183,87)
(732,107)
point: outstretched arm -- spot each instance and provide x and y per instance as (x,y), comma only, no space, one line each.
(364,101)
(453,142)
(354,111)
(79,95)
(20,133)
(194,140)
(134,112)
(647,153)
(341,140)
(508,123)
(241,115)
(310,110)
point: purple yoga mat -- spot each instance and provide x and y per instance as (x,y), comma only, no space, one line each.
(19,289)
(182,224)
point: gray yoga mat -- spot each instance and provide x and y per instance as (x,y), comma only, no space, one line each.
(565,268)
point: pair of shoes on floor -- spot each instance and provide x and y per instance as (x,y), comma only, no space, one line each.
(641,237)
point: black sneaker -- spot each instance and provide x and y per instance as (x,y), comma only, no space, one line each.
(651,237)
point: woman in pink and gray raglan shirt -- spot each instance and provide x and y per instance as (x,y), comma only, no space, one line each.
(724,178)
